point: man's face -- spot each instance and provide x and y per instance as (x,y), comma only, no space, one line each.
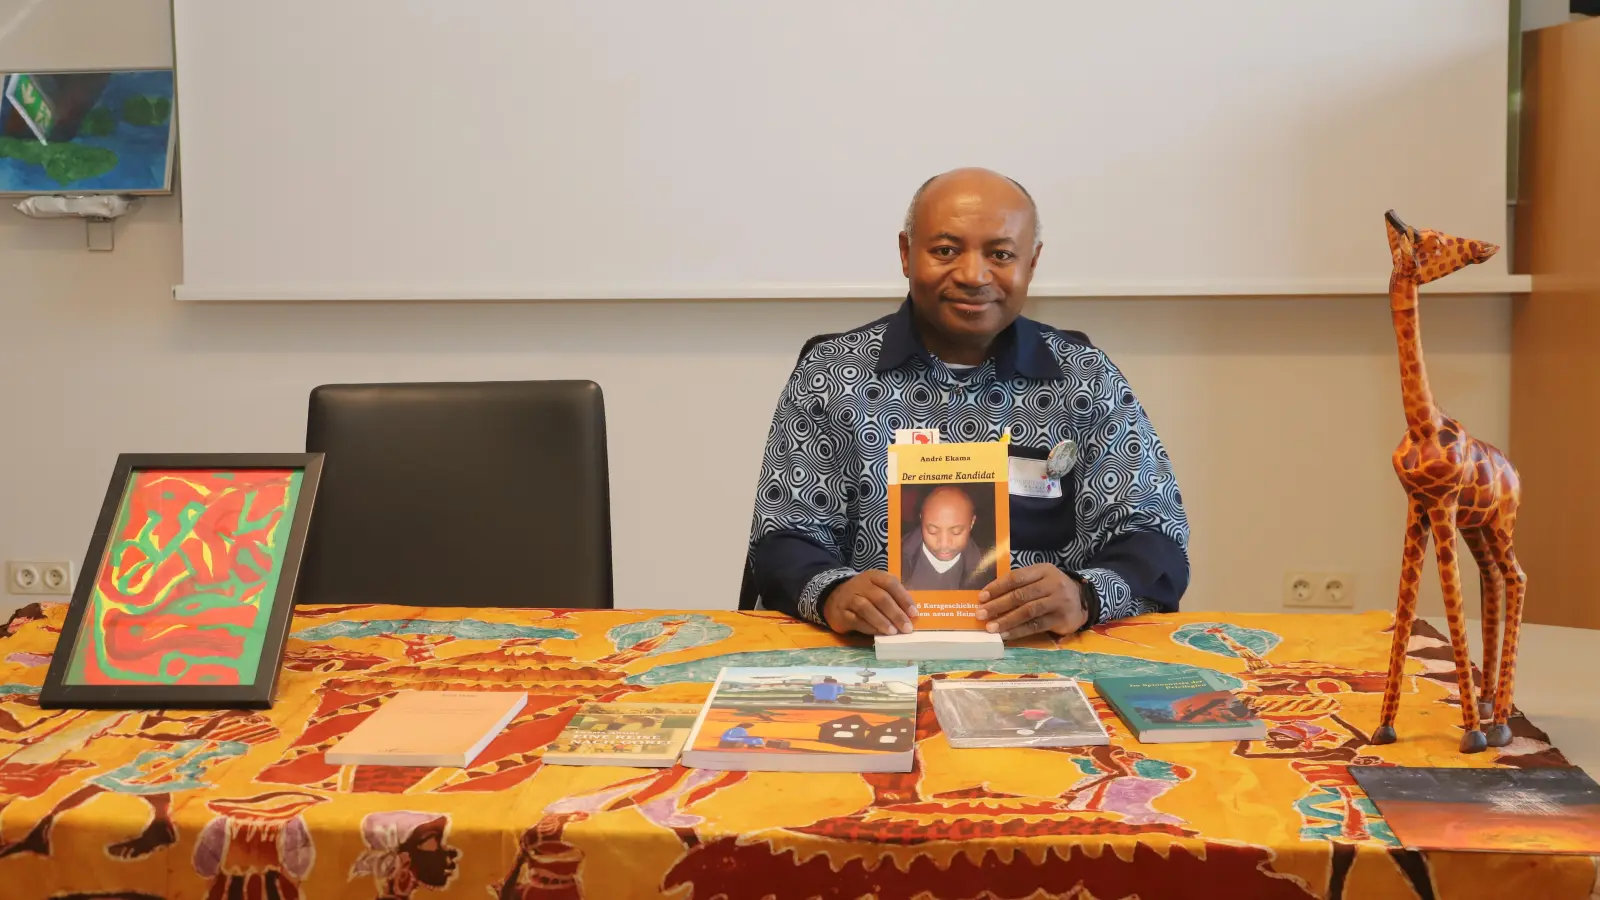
(947,520)
(969,258)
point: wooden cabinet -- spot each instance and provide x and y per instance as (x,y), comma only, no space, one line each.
(1555,363)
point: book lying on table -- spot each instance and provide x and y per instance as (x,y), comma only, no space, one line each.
(1181,709)
(807,719)
(1016,712)
(1545,810)
(623,734)
(428,728)
(949,537)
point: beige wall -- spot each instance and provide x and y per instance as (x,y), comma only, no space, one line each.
(1280,413)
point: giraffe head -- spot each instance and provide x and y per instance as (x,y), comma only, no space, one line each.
(1426,255)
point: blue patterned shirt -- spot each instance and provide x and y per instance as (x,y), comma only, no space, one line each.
(821,512)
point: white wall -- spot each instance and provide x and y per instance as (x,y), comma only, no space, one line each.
(1280,413)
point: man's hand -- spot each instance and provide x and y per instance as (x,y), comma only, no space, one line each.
(873,602)
(1037,598)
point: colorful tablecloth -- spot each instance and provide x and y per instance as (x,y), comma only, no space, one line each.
(241,805)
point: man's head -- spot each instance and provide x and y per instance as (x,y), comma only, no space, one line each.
(969,248)
(947,518)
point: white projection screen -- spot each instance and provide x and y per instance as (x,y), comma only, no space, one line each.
(572,149)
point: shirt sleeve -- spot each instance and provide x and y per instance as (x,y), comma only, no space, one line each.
(802,526)
(1130,502)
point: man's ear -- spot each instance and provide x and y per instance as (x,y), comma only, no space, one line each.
(1033,264)
(905,254)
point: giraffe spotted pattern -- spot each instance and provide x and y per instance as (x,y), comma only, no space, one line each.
(1457,485)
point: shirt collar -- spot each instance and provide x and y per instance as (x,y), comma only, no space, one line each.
(1019,350)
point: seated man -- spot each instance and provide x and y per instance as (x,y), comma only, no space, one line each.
(1107,540)
(940,554)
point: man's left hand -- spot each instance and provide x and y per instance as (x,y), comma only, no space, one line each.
(1027,601)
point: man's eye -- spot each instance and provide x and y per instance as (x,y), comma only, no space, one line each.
(1004,255)
(944,252)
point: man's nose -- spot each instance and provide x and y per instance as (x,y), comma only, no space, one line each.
(973,270)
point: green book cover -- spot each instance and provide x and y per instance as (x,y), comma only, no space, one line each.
(1178,709)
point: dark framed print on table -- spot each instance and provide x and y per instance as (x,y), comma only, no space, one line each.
(188,584)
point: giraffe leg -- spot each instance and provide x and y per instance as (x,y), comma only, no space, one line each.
(1443,520)
(1491,588)
(1405,615)
(1516,586)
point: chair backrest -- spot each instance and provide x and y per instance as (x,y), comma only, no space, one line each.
(460,494)
(749,597)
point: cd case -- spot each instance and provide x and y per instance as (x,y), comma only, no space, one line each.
(1021,712)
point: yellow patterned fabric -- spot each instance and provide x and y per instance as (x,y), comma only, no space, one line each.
(236,804)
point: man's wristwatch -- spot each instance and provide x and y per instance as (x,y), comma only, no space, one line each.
(1091,600)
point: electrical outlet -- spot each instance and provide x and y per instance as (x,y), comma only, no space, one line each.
(1337,591)
(1298,589)
(1318,590)
(26,577)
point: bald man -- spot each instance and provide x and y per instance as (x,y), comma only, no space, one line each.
(939,554)
(1108,540)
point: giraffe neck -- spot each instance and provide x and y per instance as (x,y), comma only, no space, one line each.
(1422,416)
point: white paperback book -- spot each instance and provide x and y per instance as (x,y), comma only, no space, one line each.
(939,645)
(441,729)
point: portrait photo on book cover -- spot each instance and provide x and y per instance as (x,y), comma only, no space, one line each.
(949,540)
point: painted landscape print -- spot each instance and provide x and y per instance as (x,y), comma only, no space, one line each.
(1545,810)
(86,132)
(190,574)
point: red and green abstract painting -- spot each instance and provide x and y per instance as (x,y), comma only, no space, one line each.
(185,591)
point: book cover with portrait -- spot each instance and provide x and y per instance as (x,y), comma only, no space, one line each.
(949,528)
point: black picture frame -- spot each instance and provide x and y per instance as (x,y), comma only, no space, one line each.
(62,691)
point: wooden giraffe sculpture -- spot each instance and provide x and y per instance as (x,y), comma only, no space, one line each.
(1456,484)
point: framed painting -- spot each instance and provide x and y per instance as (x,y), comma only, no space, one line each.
(107,132)
(188,584)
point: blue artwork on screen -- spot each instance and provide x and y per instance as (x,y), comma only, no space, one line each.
(86,132)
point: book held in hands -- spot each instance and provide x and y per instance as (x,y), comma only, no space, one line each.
(624,734)
(949,537)
(428,728)
(807,719)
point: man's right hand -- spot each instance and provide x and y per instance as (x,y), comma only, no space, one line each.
(873,602)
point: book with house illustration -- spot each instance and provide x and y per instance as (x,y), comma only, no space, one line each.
(807,719)
(1016,712)
(1181,709)
(949,536)
(623,734)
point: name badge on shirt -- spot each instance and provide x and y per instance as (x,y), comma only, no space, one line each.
(1030,479)
(916,436)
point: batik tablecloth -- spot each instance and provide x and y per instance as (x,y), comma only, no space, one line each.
(241,805)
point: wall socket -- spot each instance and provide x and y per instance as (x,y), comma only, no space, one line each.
(51,577)
(1318,590)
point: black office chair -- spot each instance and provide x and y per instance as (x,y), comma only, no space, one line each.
(749,597)
(460,494)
